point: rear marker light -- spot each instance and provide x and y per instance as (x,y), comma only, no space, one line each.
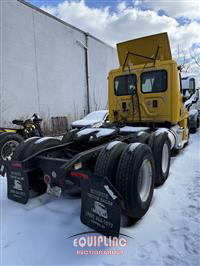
(79,174)
(16,164)
(47,179)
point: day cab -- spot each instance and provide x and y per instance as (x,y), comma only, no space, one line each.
(146,88)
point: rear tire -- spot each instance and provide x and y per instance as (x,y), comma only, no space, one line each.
(28,148)
(40,144)
(160,145)
(19,154)
(8,144)
(107,161)
(135,179)
(193,130)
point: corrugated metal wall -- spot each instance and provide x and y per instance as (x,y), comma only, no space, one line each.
(43,66)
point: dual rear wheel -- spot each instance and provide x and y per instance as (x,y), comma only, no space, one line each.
(134,169)
(30,147)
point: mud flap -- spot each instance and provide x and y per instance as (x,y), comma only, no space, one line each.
(100,206)
(17,183)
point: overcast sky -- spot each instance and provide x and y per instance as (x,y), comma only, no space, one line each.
(114,21)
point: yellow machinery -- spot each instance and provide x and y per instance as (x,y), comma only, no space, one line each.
(10,138)
(146,88)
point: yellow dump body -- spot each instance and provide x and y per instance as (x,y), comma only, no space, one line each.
(146,86)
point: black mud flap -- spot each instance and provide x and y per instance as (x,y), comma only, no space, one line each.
(17,183)
(100,206)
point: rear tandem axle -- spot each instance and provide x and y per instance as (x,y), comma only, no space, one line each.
(115,172)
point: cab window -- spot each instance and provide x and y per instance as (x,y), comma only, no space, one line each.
(154,81)
(125,85)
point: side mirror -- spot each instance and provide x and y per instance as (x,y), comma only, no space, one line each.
(192,86)
(179,67)
(197,93)
(132,90)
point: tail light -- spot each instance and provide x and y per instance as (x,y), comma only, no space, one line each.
(47,179)
(80,175)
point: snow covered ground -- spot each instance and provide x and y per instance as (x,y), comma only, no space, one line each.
(169,234)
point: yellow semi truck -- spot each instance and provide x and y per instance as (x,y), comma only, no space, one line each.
(154,80)
(115,167)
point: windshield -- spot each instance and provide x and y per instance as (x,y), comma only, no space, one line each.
(97,115)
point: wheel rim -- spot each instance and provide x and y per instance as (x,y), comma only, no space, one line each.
(8,149)
(145,180)
(165,158)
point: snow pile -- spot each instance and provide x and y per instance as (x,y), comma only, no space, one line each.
(100,132)
(192,99)
(112,144)
(128,129)
(169,234)
(91,118)
(105,132)
(86,131)
(193,112)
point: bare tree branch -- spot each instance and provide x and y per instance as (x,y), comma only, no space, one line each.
(195,58)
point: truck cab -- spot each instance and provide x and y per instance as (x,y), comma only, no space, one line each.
(146,88)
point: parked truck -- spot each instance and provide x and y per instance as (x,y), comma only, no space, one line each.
(191,101)
(118,166)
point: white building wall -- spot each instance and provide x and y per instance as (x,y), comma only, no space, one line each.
(18,83)
(101,60)
(43,66)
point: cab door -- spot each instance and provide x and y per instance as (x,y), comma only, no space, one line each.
(124,97)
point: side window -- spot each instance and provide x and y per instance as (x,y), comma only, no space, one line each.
(125,85)
(154,81)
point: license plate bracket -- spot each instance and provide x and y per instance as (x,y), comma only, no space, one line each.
(54,191)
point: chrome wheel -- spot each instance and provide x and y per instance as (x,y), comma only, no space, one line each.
(145,180)
(8,149)
(165,158)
